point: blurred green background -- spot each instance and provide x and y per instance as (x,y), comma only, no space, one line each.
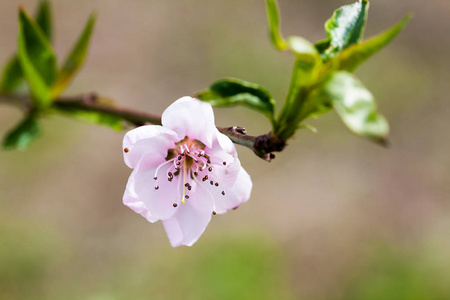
(333,217)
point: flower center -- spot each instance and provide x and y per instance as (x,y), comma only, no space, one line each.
(190,163)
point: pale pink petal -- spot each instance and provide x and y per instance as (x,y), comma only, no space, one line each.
(131,200)
(158,195)
(224,159)
(227,197)
(147,139)
(192,118)
(191,219)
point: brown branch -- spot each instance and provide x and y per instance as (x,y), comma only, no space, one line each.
(262,145)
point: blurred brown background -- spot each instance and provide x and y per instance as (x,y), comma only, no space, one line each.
(333,217)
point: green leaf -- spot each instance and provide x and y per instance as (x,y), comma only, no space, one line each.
(100,118)
(232,91)
(36,59)
(273,18)
(12,76)
(346,27)
(356,106)
(353,56)
(23,134)
(308,127)
(75,59)
(305,73)
(303,49)
(44,18)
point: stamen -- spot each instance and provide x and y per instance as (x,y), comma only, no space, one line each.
(159,167)
(184,182)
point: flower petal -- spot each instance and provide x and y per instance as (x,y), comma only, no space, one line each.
(157,195)
(131,200)
(147,139)
(191,219)
(227,197)
(224,151)
(191,117)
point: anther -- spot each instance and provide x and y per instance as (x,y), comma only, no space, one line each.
(223,193)
(211,182)
(214,212)
(175,205)
(224,163)
(187,196)
(156,187)
(170,174)
(208,161)
(170,179)
(201,169)
(189,188)
(216,184)
(195,173)
(179,157)
(178,163)
(187,184)
(126,150)
(210,169)
(156,178)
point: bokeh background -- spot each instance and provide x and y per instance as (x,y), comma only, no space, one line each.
(333,217)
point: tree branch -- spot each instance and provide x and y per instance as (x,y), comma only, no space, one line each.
(262,145)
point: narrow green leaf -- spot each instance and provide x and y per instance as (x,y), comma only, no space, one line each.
(322,45)
(308,127)
(303,49)
(23,134)
(304,74)
(356,106)
(12,76)
(100,118)
(353,56)
(346,27)
(36,59)
(232,91)
(75,59)
(273,17)
(44,18)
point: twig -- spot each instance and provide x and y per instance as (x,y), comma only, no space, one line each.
(262,145)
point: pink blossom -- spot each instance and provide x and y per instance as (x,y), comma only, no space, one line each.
(184,171)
